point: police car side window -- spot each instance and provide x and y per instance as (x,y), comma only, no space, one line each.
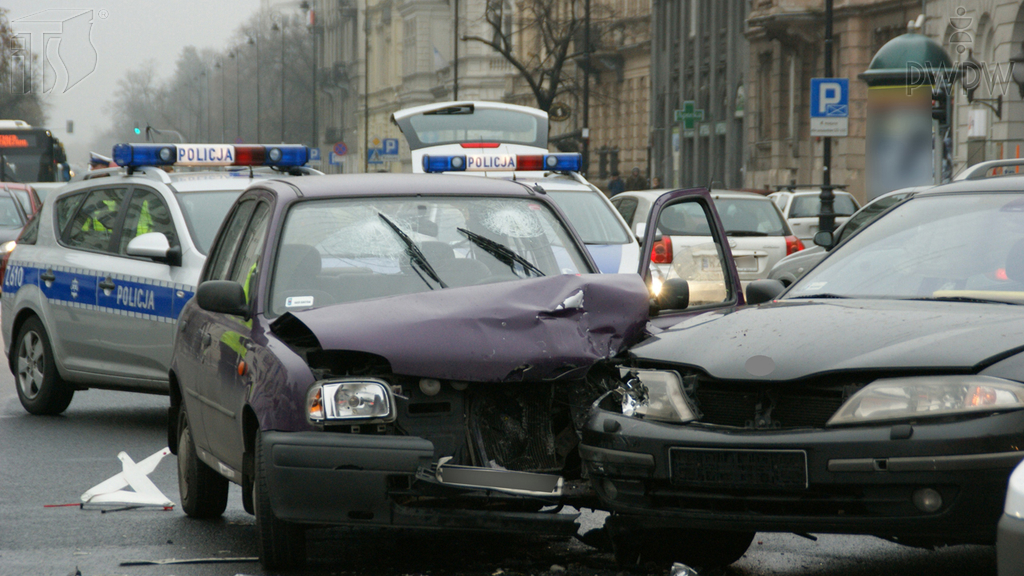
(30,233)
(224,252)
(93,226)
(147,212)
(65,209)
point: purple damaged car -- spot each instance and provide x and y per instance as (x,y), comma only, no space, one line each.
(400,350)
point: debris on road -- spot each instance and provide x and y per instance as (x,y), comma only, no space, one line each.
(170,561)
(135,475)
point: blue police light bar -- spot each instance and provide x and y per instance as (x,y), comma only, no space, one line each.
(444,163)
(564,162)
(144,154)
(290,155)
(284,155)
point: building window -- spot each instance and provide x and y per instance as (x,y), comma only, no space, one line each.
(764,97)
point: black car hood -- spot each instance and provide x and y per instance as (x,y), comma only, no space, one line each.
(527,330)
(805,338)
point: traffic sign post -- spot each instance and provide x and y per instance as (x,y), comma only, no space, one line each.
(830,107)
(340,149)
(375,156)
(314,154)
(389,150)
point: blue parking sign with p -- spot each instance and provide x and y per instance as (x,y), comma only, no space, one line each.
(390,146)
(830,98)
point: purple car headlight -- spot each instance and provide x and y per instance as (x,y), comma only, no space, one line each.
(363,400)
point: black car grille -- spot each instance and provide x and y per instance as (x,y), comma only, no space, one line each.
(513,425)
(767,405)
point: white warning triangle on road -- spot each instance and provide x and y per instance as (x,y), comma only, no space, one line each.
(134,475)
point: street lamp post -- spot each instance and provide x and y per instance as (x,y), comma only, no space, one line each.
(236,55)
(259,130)
(281,29)
(206,75)
(223,97)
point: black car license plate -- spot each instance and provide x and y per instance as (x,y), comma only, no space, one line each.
(722,468)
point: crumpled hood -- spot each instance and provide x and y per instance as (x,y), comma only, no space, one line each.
(527,330)
(805,338)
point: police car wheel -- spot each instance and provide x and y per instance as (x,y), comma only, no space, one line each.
(204,492)
(281,544)
(40,388)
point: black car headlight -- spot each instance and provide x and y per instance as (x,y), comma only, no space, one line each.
(655,395)
(363,400)
(923,396)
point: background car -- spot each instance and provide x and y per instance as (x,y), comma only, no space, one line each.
(92,291)
(800,207)
(392,351)
(30,202)
(882,393)
(792,267)
(500,140)
(1010,541)
(758,234)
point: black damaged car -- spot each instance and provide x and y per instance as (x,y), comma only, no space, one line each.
(881,394)
(402,351)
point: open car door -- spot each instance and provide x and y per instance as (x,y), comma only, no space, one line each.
(691,277)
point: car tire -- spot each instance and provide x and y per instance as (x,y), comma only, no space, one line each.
(40,388)
(204,492)
(281,544)
(700,548)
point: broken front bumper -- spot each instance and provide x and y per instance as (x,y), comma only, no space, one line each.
(857,480)
(324,478)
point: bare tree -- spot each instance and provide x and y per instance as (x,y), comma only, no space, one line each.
(19,89)
(549,36)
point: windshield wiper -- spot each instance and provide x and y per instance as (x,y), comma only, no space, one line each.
(745,233)
(415,255)
(502,253)
(822,295)
(966,299)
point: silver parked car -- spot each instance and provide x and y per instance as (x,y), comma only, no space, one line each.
(800,207)
(758,234)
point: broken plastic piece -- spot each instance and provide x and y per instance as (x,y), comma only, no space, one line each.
(132,474)
(680,569)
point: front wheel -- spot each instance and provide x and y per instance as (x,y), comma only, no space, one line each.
(281,544)
(204,492)
(40,388)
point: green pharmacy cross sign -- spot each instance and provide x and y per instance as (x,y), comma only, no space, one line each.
(689,114)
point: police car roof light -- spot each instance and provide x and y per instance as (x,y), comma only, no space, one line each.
(136,155)
(444,163)
(144,154)
(563,162)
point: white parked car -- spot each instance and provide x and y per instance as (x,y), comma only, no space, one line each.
(800,207)
(758,234)
(500,140)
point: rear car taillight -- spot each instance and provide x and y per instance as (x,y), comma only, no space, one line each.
(793,245)
(661,252)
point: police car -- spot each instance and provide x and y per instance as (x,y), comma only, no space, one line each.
(501,140)
(94,286)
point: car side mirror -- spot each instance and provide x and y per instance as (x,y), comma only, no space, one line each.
(154,245)
(824,239)
(223,297)
(641,227)
(761,291)
(674,295)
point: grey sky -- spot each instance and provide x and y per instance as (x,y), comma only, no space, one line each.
(124,34)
